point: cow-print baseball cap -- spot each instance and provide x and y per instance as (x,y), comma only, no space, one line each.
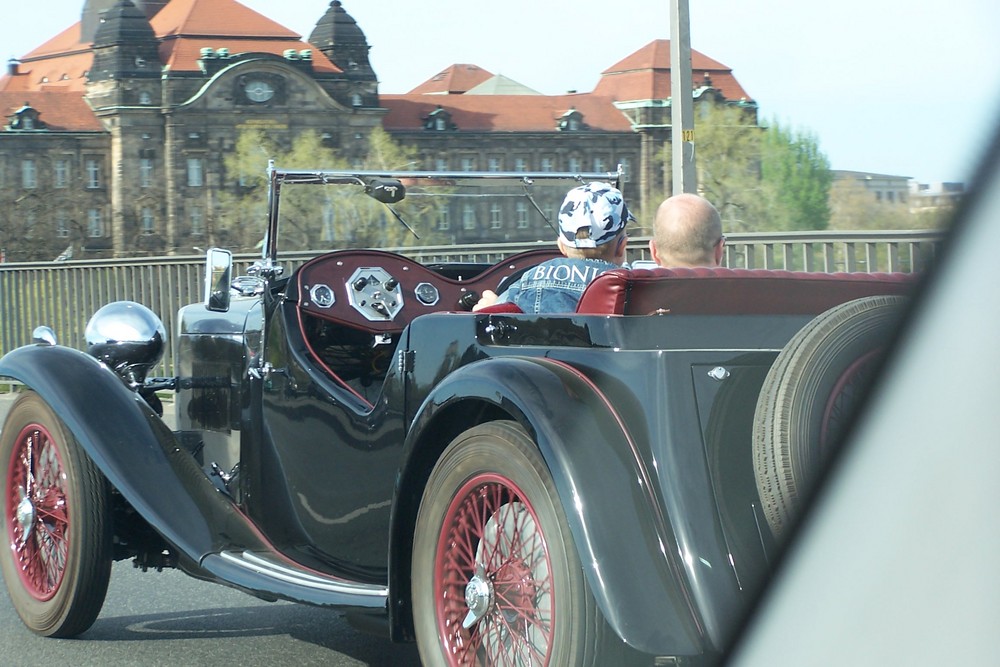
(598,208)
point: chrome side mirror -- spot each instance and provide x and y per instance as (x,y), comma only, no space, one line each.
(218,276)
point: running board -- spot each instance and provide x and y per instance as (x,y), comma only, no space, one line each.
(264,576)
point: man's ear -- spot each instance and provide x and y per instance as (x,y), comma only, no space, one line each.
(652,251)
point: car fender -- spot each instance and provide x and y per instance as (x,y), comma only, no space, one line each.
(621,533)
(131,445)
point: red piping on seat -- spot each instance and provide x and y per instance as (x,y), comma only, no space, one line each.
(723,291)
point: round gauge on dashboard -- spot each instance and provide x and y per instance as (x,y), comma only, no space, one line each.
(322,295)
(427,294)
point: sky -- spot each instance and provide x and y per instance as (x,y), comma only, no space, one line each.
(901,87)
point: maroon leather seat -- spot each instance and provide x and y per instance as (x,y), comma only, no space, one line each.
(718,291)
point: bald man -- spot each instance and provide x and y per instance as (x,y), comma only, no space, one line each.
(687,232)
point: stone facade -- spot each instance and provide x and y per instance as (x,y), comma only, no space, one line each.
(114,133)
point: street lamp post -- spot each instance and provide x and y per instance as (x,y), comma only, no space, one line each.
(685,178)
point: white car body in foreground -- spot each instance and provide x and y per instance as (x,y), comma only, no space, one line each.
(896,563)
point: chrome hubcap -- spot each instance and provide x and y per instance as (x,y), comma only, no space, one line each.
(25,515)
(478,596)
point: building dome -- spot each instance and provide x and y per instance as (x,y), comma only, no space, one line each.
(124,23)
(338,36)
(125,45)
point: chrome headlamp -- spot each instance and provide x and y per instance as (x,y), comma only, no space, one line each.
(128,337)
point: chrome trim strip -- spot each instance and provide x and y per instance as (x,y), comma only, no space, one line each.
(269,568)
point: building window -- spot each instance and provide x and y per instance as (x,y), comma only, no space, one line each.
(572,121)
(522,215)
(356,100)
(95,223)
(546,164)
(468,217)
(520,164)
(441,164)
(468,164)
(496,219)
(62,224)
(598,164)
(145,98)
(147,221)
(891,196)
(197,220)
(61,173)
(574,165)
(195,175)
(93,169)
(145,172)
(444,219)
(438,120)
(29,174)
(494,164)
(878,195)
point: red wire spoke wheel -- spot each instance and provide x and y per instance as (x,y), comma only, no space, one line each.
(37,523)
(56,561)
(496,579)
(494,570)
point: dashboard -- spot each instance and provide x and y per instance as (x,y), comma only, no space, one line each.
(381,292)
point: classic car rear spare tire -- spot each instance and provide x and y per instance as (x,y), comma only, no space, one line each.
(809,393)
(496,577)
(56,556)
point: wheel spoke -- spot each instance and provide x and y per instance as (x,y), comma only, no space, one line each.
(40,534)
(492,533)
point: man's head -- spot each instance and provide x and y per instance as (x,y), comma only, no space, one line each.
(592,222)
(687,232)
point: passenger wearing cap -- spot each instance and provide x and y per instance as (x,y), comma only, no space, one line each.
(592,239)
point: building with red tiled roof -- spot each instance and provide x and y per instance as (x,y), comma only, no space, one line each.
(453,80)
(625,120)
(502,113)
(114,131)
(645,75)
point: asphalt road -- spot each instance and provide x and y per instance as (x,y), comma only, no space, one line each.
(167,618)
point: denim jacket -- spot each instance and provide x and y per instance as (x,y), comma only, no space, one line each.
(554,286)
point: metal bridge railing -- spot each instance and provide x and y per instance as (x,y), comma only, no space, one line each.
(64,295)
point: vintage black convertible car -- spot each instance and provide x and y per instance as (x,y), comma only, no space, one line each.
(589,488)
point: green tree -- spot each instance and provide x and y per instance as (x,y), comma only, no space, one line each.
(419,210)
(760,179)
(797,176)
(315,217)
(39,224)
(242,212)
(728,145)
